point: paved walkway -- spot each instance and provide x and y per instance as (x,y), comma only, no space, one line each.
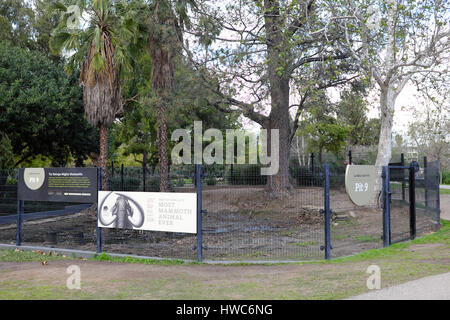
(429,288)
(444,186)
(445,206)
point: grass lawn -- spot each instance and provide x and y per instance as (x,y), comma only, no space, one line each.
(23,276)
(444,191)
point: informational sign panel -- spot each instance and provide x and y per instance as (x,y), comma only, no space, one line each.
(58,184)
(360,184)
(169,212)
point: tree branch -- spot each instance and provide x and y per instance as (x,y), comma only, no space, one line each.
(302,19)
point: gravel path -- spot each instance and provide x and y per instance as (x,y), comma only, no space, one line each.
(429,288)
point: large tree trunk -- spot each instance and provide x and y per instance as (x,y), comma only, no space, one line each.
(387,107)
(103,157)
(277,184)
(320,156)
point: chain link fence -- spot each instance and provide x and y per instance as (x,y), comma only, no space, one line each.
(353,228)
(242,221)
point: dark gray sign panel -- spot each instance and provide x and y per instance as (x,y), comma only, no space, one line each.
(58,184)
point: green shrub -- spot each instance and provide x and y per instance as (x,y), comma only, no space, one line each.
(178,182)
(129,183)
(249,174)
(446,177)
(211,181)
(11,181)
(152,184)
(303,175)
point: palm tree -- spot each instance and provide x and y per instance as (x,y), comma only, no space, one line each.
(167,19)
(100,52)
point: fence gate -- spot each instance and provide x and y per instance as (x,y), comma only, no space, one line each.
(411,201)
(427,199)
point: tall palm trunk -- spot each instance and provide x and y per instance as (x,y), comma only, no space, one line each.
(163,51)
(103,158)
(163,147)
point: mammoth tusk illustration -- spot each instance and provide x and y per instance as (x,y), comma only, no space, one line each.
(123,214)
(100,213)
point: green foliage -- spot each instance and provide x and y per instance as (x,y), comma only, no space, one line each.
(328,135)
(6,152)
(446,177)
(29,256)
(41,108)
(107,257)
(136,132)
(16,19)
(211,181)
(152,184)
(324,130)
(28,25)
(117,20)
(132,183)
(302,175)
(352,110)
(178,182)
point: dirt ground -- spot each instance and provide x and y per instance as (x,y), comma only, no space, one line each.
(239,224)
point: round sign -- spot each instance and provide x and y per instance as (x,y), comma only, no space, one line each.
(360,184)
(34,178)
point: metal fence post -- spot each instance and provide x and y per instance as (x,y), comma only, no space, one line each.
(198,180)
(143,177)
(99,230)
(312,169)
(121,179)
(350,160)
(20,211)
(402,160)
(386,208)
(327,211)
(412,201)
(425,178)
(438,201)
(257,149)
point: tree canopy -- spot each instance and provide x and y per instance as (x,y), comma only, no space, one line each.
(42,108)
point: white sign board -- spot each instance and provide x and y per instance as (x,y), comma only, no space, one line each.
(169,212)
(360,184)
